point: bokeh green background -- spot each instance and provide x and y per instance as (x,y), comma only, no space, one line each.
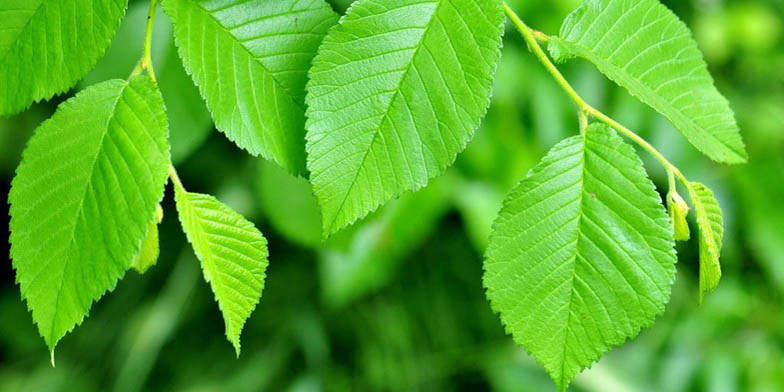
(396,302)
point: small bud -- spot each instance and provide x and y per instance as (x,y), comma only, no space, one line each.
(679,210)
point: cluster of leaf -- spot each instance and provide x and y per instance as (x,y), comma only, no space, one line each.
(373,106)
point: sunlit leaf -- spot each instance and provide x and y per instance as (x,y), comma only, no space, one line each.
(233,255)
(711,226)
(250,60)
(396,92)
(83,198)
(582,255)
(46,46)
(644,47)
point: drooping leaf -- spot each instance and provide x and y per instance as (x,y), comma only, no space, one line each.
(678,210)
(47,46)
(150,250)
(250,60)
(582,255)
(233,255)
(83,198)
(396,92)
(711,225)
(645,48)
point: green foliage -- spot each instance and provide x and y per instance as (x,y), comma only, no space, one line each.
(644,47)
(678,210)
(83,198)
(46,46)
(395,93)
(580,258)
(711,224)
(150,250)
(582,255)
(233,255)
(250,60)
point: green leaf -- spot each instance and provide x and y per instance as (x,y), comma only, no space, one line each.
(711,226)
(148,254)
(581,256)
(47,46)
(83,198)
(250,60)
(678,210)
(396,92)
(233,255)
(645,48)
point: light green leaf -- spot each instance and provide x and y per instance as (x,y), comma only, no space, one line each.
(645,48)
(233,255)
(250,60)
(83,198)
(678,210)
(47,46)
(581,256)
(396,92)
(711,226)
(148,254)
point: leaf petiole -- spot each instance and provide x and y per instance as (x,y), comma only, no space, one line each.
(532,38)
(145,64)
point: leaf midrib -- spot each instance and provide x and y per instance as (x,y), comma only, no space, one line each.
(385,115)
(80,210)
(580,214)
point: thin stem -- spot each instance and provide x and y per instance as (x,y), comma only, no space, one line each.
(146,62)
(147,58)
(175,178)
(531,37)
(583,121)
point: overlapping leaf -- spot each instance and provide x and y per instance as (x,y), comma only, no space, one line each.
(644,47)
(396,92)
(582,255)
(711,226)
(83,197)
(150,250)
(250,60)
(233,255)
(46,46)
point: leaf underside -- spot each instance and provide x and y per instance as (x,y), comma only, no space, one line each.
(395,93)
(582,255)
(233,255)
(645,48)
(83,197)
(47,46)
(711,226)
(250,60)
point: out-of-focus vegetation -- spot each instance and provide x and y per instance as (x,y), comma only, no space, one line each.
(396,302)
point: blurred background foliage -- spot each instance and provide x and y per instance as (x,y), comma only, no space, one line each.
(396,302)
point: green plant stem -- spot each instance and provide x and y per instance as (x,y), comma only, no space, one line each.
(146,62)
(532,38)
(175,178)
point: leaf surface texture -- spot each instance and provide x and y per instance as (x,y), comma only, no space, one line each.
(47,46)
(233,255)
(83,197)
(582,255)
(396,92)
(645,48)
(711,225)
(250,60)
